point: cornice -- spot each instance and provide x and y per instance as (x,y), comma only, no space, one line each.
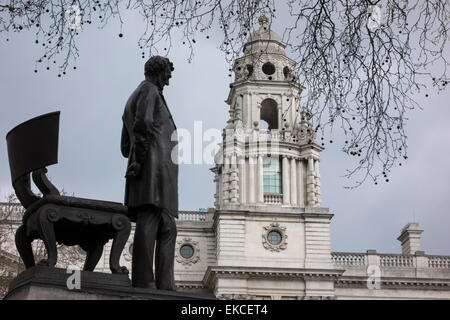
(214,272)
(394,283)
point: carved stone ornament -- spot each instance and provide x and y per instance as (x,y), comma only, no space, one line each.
(305,131)
(195,256)
(274,247)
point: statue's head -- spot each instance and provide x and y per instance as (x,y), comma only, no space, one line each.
(159,70)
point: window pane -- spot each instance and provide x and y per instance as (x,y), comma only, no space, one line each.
(272,175)
(274,237)
(186,251)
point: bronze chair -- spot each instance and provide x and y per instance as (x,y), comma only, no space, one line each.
(32,146)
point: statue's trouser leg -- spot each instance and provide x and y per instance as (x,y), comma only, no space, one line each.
(143,247)
(165,251)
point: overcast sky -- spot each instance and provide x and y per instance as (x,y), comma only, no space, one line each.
(91,100)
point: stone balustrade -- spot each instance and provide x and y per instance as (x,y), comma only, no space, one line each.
(11,211)
(14,211)
(273,198)
(397,261)
(192,216)
(11,207)
(439,262)
(349,259)
(273,135)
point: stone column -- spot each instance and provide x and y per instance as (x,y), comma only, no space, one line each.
(292,111)
(260,187)
(256,110)
(216,181)
(220,182)
(285,177)
(318,193)
(242,180)
(310,183)
(295,103)
(300,186)
(249,110)
(293,182)
(234,181)
(251,179)
(226,179)
(244,109)
(280,120)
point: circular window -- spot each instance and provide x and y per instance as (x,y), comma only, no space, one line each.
(274,237)
(186,251)
(268,68)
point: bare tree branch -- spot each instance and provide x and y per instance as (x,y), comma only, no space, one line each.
(360,81)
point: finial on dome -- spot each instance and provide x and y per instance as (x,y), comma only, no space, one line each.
(263,20)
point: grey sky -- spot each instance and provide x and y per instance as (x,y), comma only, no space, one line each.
(92,99)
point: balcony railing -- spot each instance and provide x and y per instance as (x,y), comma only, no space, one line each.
(348,259)
(273,198)
(439,262)
(11,211)
(273,135)
(192,216)
(14,211)
(397,261)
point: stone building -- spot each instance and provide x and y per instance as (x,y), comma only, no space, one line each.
(268,236)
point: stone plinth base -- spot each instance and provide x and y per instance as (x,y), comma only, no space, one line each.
(43,283)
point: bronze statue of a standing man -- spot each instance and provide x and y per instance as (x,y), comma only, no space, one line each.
(151,191)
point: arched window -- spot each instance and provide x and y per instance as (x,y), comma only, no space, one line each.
(269,113)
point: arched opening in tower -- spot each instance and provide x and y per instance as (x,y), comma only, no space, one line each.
(269,114)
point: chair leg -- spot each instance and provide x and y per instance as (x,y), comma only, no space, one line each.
(23,244)
(94,253)
(122,226)
(47,234)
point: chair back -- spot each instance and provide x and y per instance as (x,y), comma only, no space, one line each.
(32,145)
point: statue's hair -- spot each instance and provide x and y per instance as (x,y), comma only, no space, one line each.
(157,64)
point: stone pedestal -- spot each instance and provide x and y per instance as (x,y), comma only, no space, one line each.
(43,283)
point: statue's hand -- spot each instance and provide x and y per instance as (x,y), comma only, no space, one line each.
(133,170)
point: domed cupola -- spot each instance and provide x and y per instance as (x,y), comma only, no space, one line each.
(264,39)
(264,57)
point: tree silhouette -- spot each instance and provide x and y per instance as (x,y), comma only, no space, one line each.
(363,62)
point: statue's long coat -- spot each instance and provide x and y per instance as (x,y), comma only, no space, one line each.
(147,120)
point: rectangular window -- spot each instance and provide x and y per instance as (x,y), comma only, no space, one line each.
(272,175)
